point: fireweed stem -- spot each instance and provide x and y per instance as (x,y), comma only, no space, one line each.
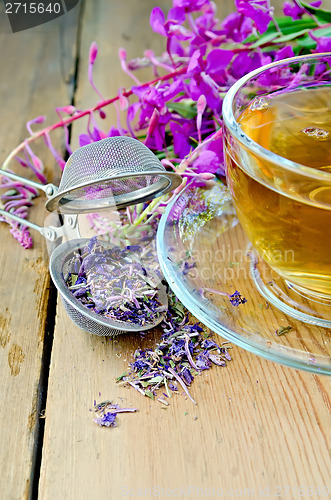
(147,210)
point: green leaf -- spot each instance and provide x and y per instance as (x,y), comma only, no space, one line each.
(74,278)
(121,376)
(323,32)
(291,36)
(156,380)
(287,27)
(323,15)
(264,39)
(308,43)
(145,383)
(177,309)
(149,394)
(185,108)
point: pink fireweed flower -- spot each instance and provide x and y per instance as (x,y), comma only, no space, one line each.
(92,57)
(201,106)
(60,161)
(237,27)
(36,165)
(93,53)
(12,204)
(39,119)
(149,54)
(122,57)
(167,163)
(21,234)
(118,120)
(124,101)
(97,134)
(27,191)
(205,176)
(69,110)
(296,10)
(154,121)
(157,20)
(259,11)
(323,43)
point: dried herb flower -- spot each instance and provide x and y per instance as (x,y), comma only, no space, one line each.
(107,420)
(182,353)
(236,299)
(107,413)
(114,283)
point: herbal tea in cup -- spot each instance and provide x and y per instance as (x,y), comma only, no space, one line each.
(277,140)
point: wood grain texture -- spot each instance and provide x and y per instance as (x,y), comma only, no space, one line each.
(32,78)
(257,427)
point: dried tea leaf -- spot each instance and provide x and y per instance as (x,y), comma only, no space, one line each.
(121,377)
(283,329)
(149,394)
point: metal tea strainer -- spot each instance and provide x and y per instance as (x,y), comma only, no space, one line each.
(117,171)
(59,267)
(120,168)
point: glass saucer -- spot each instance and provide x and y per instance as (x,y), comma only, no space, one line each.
(211,267)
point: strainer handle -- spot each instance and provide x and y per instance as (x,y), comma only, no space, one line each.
(49,189)
(51,233)
(48,232)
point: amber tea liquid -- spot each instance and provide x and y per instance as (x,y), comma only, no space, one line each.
(292,236)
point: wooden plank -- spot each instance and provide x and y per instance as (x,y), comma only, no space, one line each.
(32,83)
(257,425)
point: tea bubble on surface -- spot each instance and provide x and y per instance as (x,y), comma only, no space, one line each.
(295,125)
(317,133)
(259,104)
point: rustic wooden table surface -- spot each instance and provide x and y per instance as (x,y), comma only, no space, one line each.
(259,429)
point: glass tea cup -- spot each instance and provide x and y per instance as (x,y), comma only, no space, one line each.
(277,142)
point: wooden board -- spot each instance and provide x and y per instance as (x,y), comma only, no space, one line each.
(258,426)
(33,81)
